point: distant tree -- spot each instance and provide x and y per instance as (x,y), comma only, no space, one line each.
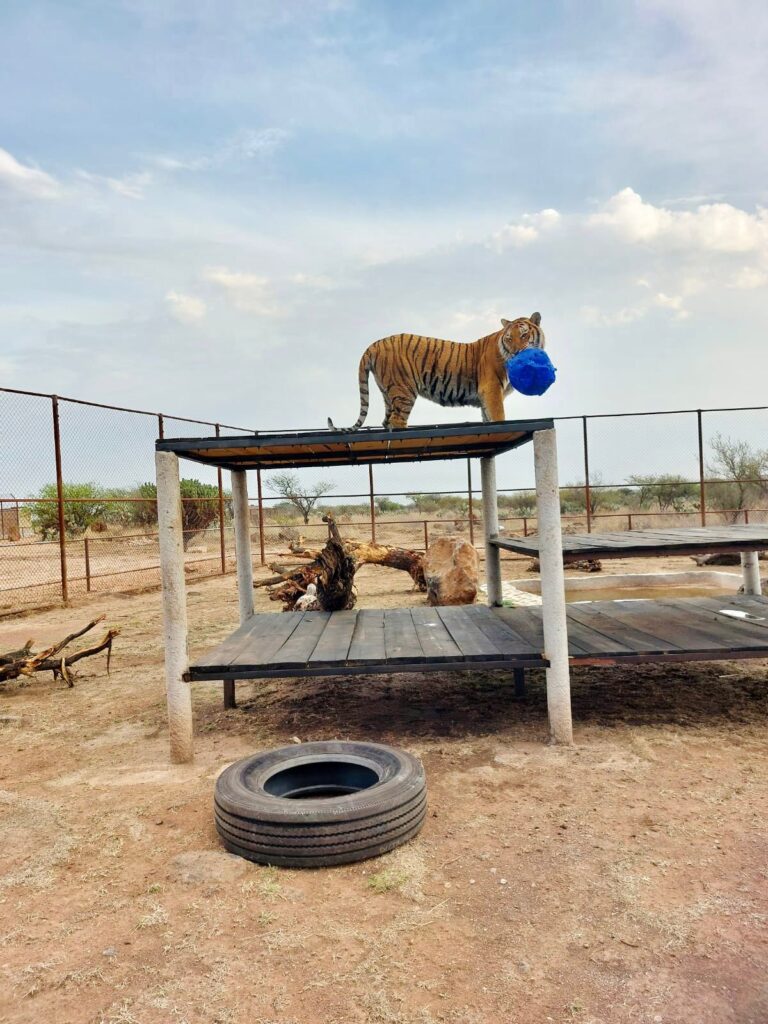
(288,486)
(669,491)
(522,504)
(429,504)
(743,471)
(199,506)
(387,505)
(84,505)
(573,497)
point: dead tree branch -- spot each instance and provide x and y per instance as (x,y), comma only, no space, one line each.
(25,662)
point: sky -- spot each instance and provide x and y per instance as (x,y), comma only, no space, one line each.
(212,209)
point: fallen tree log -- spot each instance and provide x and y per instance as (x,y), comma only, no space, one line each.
(25,662)
(333,570)
(411,562)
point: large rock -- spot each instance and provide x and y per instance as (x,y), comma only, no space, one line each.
(451,571)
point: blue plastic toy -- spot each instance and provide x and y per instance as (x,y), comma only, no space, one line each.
(531,371)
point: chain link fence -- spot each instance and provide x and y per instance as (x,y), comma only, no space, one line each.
(78,512)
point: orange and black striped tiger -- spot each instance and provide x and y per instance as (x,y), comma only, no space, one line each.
(406,366)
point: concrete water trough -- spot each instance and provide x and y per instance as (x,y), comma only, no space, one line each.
(631,586)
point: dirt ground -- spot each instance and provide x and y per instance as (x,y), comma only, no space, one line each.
(622,881)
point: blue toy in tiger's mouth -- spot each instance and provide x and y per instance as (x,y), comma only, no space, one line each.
(531,371)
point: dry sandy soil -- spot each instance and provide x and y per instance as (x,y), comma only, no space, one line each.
(623,880)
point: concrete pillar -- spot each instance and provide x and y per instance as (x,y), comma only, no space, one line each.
(553,586)
(242,543)
(750,570)
(174,592)
(491,530)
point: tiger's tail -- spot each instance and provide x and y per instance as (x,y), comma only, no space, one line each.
(365,369)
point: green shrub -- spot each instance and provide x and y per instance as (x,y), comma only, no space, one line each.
(83,505)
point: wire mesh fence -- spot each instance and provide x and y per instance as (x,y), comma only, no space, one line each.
(78,508)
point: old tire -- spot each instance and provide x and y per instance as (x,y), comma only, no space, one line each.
(317,804)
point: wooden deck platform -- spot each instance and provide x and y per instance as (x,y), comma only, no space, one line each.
(373,445)
(633,543)
(295,644)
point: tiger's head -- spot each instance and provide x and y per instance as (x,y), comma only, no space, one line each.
(525,332)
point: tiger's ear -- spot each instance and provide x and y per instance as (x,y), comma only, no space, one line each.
(506,323)
(535,318)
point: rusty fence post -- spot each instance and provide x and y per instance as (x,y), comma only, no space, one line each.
(469,501)
(60,499)
(261,516)
(160,426)
(87,565)
(702,488)
(222,544)
(587,492)
(373,505)
(426,535)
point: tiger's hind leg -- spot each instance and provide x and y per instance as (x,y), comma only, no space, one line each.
(387,412)
(401,410)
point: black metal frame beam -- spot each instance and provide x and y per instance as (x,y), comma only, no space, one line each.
(367,446)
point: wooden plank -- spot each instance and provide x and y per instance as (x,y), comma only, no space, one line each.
(333,645)
(502,634)
(585,635)
(527,622)
(598,616)
(666,623)
(368,637)
(708,610)
(298,647)
(247,634)
(401,641)
(436,641)
(629,543)
(261,649)
(472,642)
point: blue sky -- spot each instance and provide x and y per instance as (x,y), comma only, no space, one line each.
(213,208)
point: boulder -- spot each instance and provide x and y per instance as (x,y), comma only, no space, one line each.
(451,570)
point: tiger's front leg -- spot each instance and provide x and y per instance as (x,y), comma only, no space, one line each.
(492,402)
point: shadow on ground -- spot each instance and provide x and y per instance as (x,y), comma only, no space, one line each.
(483,703)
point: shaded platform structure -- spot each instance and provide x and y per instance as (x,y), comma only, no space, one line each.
(693,540)
(553,636)
(375,641)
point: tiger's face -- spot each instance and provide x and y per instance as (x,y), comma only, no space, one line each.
(525,332)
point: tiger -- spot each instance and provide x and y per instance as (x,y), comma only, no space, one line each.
(406,366)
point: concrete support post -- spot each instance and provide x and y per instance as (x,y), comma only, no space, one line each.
(491,530)
(242,516)
(553,586)
(750,570)
(171,535)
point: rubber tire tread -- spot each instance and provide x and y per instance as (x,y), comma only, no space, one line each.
(298,832)
(319,831)
(309,844)
(328,858)
(236,794)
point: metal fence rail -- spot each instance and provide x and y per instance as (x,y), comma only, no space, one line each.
(50,444)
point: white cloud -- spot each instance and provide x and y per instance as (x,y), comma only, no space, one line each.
(131,186)
(25,180)
(748,278)
(187,309)
(250,293)
(672,302)
(247,145)
(596,317)
(527,230)
(712,227)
